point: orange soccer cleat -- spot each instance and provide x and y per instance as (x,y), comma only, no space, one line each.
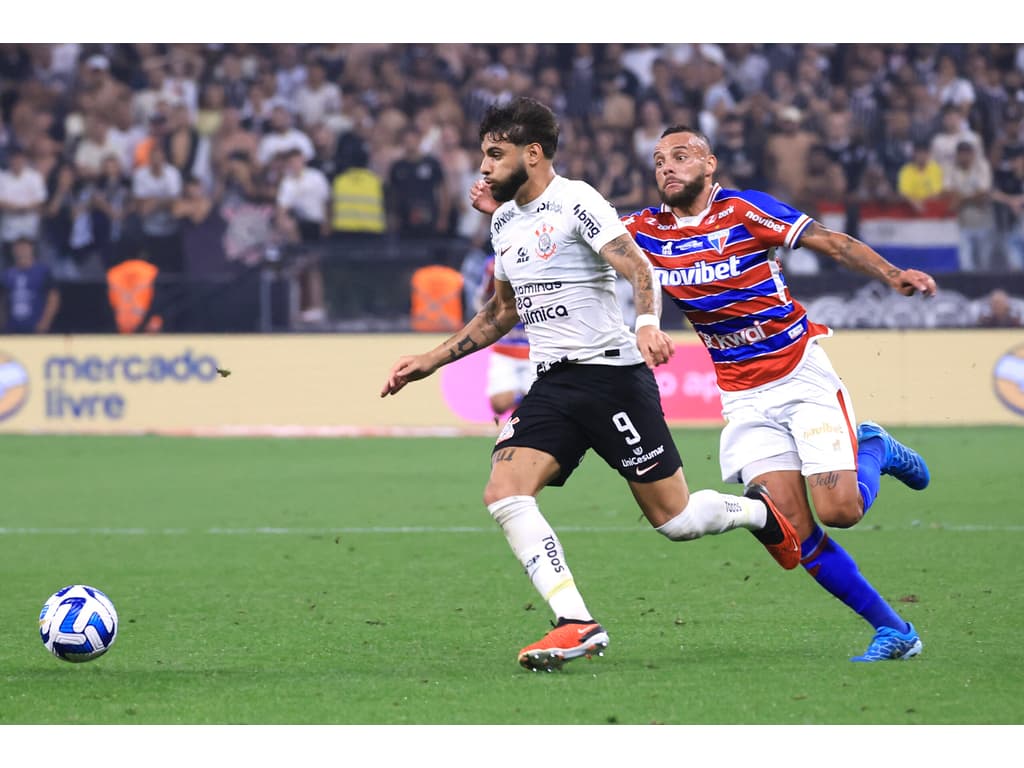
(778,535)
(569,640)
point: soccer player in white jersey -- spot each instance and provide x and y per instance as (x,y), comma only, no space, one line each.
(559,245)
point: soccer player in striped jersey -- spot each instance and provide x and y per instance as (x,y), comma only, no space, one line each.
(789,419)
(559,245)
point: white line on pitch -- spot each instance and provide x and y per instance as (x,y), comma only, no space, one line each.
(276,531)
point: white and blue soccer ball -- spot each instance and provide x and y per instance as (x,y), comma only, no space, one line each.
(78,623)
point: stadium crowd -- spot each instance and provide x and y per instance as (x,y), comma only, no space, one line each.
(117,150)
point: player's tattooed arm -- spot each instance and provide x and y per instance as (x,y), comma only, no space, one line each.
(629,261)
(860,257)
(495,318)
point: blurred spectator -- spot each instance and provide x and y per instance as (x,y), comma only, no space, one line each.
(786,153)
(417,195)
(875,187)
(651,124)
(896,146)
(325,150)
(96,143)
(303,200)
(232,79)
(247,208)
(212,103)
(1008,196)
(949,86)
(231,138)
(110,200)
(317,100)
(55,226)
(665,88)
(199,227)
(844,148)
(738,164)
(969,185)
(622,183)
(145,101)
(824,186)
(303,215)
(98,84)
(953,129)
(156,133)
(182,140)
(289,73)
(1009,140)
(22,197)
(155,187)
(282,137)
(1000,312)
(180,87)
(461,168)
(920,179)
(29,295)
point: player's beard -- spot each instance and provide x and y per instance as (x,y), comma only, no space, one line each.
(503,191)
(684,197)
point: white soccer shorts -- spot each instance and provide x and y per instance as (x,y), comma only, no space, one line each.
(805,422)
(509,374)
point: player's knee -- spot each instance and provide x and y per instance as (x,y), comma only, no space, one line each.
(842,514)
(507,507)
(494,492)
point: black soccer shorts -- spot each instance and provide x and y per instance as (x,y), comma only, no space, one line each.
(616,410)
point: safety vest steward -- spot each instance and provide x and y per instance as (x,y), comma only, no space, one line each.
(358,201)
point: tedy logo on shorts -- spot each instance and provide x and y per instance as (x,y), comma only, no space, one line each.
(13,386)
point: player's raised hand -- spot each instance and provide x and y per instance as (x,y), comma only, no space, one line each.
(408,368)
(655,345)
(911,281)
(481,198)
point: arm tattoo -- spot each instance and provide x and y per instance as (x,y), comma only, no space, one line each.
(643,288)
(829,480)
(626,254)
(464,346)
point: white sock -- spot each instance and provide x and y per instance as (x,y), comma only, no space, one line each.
(540,552)
(711,512)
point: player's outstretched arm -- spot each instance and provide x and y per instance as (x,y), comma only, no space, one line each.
(629,261)
(860,257)
(496,318)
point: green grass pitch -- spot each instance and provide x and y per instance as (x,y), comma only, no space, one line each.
(361,581)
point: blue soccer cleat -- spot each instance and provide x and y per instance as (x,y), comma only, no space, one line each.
(889,644)
(903,463)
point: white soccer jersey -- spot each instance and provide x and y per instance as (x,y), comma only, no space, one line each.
(565,291)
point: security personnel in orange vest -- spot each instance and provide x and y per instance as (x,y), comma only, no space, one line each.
(130,288)
(436,299)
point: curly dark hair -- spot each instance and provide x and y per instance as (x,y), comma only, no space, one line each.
(522,121)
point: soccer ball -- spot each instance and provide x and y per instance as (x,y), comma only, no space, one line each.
(78,623)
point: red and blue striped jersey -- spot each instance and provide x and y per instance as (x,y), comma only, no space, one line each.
(719,268)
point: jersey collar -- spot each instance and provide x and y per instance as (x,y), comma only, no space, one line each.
(693,221)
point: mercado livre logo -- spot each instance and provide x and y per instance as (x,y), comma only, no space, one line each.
(96,386)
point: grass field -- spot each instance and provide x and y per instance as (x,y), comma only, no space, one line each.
(361,581)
